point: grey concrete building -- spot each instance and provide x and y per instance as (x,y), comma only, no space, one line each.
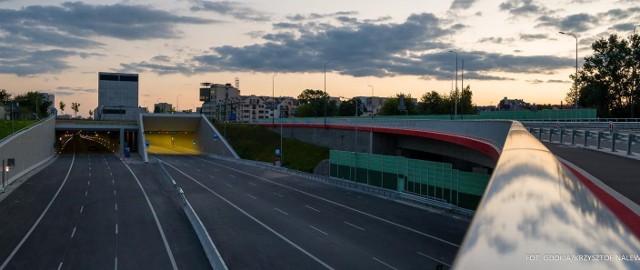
(117,97)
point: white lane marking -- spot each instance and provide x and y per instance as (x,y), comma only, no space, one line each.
(116,207)
(252,183)
(116,228)
(425,255)
(251,196)
(89,183)
(384,263)
(81,209)
(15,250)
(113,181)
(228,185)
(312,208)
(85,193)
(60,266)
(312,227)
(89,174)
(110,173)
(115,265)
(232,176)
(164,238)
(278,194)
(285,213)
(198,170)
(253,218)
(212,176)
(114,192)
(74,232)
(337,204)
(359,228)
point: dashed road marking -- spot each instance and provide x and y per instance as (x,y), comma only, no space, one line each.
(285,213)
(312,208)
(85,193)
(427,256)
(252,183)
(228,185)
(116,228)
(355,226)
(81,209)
(320,231)
(251,196)
(74,232)
(384,263)
(278,194)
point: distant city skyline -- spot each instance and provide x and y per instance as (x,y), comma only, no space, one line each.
(510,48)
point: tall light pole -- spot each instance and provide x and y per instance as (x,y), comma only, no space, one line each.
(178,103)
(372,108)
(455,108)
(575,80)
(325,92)
(273,97)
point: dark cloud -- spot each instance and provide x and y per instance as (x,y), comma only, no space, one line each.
(317,16)
(535,81)
(558,81)
(519,8)
(461,4)
(256,34)
(27,62)
(496,40)
(234,9)
(573,23)
(531,37)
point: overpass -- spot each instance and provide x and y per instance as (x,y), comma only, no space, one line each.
(533,206)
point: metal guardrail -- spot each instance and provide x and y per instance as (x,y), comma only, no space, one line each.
(210,250)
(96,122)
(613,140)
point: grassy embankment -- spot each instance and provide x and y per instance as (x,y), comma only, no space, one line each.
(6,126)
(258,143)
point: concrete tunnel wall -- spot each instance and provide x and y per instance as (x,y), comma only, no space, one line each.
(29,148)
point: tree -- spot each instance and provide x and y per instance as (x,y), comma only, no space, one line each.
(391,105)
(313,102)
(4,96)
(33,103)
(62,105)
(91,113)
(609,79)
(432,103)
(75,106)
(465,102)
(349,107)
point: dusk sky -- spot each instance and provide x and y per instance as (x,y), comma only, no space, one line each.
(510,48)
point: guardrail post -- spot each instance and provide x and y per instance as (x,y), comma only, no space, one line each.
(561,135)
(599,139)
(550,134)
(632,138)
(586,137)
(540,134)
(573,137)
(613,141)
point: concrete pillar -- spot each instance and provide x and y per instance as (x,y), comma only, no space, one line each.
(122,141)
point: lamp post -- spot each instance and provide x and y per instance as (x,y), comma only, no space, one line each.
(178,103)
(325,92)
(273,98)
(372,108)
(575,80)
(455,108)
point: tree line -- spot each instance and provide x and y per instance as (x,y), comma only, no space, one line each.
(314,103)
(31,105)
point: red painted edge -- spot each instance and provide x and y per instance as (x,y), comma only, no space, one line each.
(468,142)
(623,213)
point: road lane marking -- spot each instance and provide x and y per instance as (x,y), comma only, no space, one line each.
(285,213)
(425,255)
(164,238)
(312,208)
(337,204)
(252,183)
(60,266)
(253,218)
(212,176)
(198,170)
(114,192)
(116,207)
(85,193)
(232,176)
(228,185)
(15,250)
(320,231)
(359,228)
(251,196)
(116,228)
(73,233)
(384,263)
(89,183)
(115,264)
(81,209)
(278,194)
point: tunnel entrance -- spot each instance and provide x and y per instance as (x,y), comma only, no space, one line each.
(172,142)
(95,140)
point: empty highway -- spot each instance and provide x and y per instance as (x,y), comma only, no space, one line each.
(263,219)
(89,210)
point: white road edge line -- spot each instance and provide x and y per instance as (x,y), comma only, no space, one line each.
(253,218)
(15,250)
(251,196)
(425,255)
(359,228)
(312,208)
(384,263)
(164,238)
(312,227)
(337,204)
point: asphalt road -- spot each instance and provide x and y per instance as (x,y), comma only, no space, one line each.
(620,173)
(100,218)
(262,219)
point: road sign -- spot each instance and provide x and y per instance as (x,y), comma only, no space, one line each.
(215,136)
(277,152)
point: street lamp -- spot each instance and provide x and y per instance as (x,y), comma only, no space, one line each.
(325,92)
(575,80)
(273,98)
(455,108)
(371,100)
(178,103)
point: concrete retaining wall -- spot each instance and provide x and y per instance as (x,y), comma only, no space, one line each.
(29,148)
(211,141)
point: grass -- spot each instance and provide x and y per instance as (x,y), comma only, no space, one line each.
(258,143)
(6,127)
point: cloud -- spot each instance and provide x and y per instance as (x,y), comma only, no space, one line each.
(318,16)
(532,37)
(522,8)
(22,61)
(234,9)
(68,91)
(536,81)
(558,81)
(496,40)
(461,4)
(573,23)
(623,27)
